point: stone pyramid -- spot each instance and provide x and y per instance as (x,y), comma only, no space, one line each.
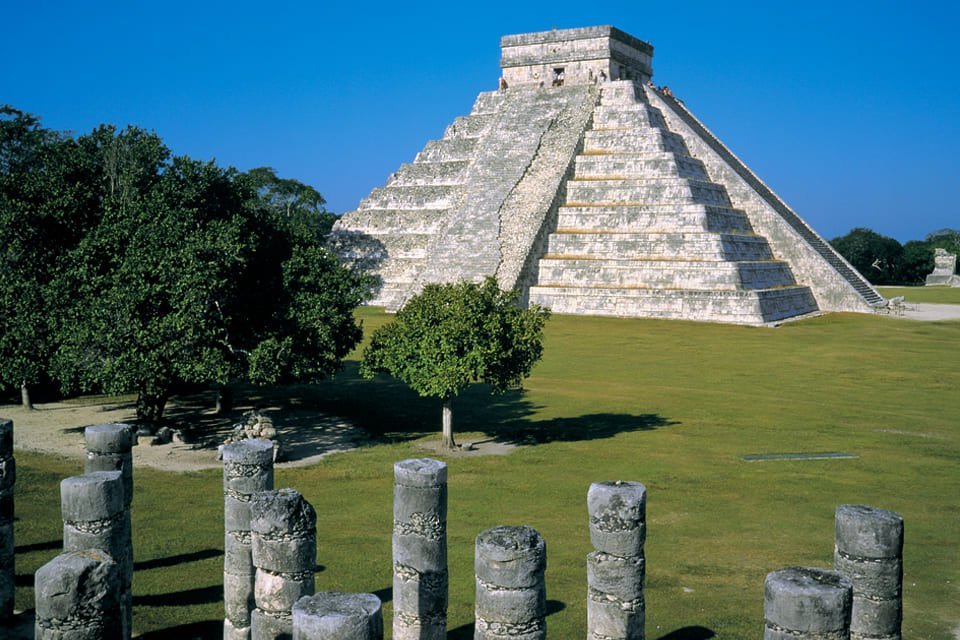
(594,193)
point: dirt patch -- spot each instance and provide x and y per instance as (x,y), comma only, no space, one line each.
(57,429)
(307,435)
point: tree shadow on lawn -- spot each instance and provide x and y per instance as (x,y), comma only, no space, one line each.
(349,411)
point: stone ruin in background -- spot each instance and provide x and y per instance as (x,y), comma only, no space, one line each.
(595,193)
(944,270)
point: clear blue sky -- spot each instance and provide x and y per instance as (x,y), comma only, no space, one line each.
(848,110)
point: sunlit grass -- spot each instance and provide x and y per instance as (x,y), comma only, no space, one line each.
(671,404)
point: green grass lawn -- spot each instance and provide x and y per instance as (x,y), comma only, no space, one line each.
(938,295)
(671,404)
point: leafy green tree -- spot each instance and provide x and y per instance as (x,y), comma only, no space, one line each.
(915,263)
(295,205)
(452,335)
(46,201)
(189,279)
(948,239)
(875,256)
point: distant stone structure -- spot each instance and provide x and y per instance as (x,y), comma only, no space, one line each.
(594,193)
(944,270)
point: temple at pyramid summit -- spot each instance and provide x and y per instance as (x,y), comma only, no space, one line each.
(593,192)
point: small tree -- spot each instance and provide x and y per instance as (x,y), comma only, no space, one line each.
(452,335)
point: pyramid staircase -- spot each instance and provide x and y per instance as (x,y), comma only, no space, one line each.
(644,232)
(392,232)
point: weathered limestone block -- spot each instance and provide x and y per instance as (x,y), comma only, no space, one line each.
(77,597)
(618,513)
(247,470)
(284,549)
(420,579)
(802,603)
(615,572)
(110,448)
(869,551)
(8,477)
(338,616)
(96,516)
(510,563)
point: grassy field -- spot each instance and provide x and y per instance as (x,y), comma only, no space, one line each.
(671,404)
(938,295)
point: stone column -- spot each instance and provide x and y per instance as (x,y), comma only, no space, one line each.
(110,448)
(8,475)
(801,603)
(338,616)
(420,579)
(284,545)
(247,470)
(511,593)
(615,571)
(95,517)
(869,551)
(76,597)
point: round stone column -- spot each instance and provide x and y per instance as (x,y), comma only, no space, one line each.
(510,563)
(420,579)
(110,448)
(869,551)
(8,476)
(76,597)
(95,516)
(801,603)
(284,545)
(615,571)
(247,470)
(338,616)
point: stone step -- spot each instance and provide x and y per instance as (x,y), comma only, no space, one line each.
(410,197)
(386,246)
(471,126)
(394,220)
(447,149)
(627,116)
(633,141)
(635,165)
(620,92)
(665,274)
(632,191)
(737,307)
(429,173)
(487,102)
(647,218)
(683,246)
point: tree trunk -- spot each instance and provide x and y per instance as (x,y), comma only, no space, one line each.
(150,406)
(25,400)
(448,442)
(224,400)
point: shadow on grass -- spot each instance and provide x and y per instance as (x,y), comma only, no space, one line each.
(349,411)
(203,630)
(200,595)
(385,594)
(39,546)
(171,561)
(465,632)
(689,633)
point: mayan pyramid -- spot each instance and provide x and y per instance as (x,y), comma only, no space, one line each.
(594,193)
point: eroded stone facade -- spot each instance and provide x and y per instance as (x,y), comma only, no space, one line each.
(594,193)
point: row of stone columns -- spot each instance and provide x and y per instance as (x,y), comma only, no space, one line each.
(247,470)
(86,591)
(861,599)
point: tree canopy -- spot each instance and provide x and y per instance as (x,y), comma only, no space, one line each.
(884,261)
(130,269)
(453,335)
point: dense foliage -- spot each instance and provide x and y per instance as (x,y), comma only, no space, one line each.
(124,268)
(884,261)
(452,335)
